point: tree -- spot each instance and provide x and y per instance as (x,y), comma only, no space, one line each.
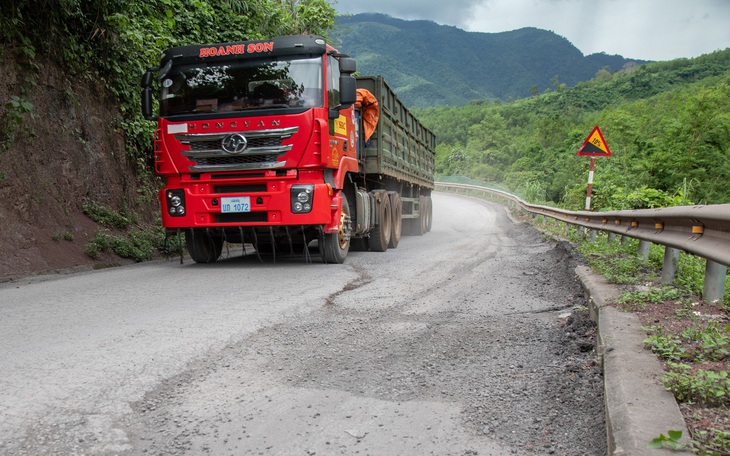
(603,74)
(314,17)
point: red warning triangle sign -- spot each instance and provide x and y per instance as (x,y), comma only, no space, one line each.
(594,145)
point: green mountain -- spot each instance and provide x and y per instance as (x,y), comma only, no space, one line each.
(666,123)
(429,64)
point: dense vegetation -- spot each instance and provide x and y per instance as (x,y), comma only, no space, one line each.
(116,41)
(666,123)
(429,64)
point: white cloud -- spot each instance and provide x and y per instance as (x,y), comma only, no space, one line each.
(452,12)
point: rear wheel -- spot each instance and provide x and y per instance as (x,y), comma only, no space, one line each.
(380,235)
(429,213)
(396,210)
(337,245)
(203,246)
(424,214)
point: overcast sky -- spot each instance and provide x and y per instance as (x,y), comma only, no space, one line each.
(640,29)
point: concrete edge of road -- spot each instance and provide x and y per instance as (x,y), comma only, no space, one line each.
(638,407)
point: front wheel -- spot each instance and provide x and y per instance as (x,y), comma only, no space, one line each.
(337,245)
(203,246)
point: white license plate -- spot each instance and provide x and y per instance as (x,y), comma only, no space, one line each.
(236,204)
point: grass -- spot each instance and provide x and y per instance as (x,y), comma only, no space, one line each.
(65,235)
(127,240)
(138,244)
(106,216)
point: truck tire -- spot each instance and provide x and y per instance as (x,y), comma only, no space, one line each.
(380,235)
(429,214)
(203,246)
(337,245)
(396,211)
(424,216)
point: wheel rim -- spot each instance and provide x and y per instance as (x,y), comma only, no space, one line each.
(343,234)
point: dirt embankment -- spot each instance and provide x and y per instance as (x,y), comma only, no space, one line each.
(68,149)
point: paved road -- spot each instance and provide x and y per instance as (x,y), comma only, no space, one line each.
(456,342)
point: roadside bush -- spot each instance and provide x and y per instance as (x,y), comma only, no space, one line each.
(106,216)
(138,245)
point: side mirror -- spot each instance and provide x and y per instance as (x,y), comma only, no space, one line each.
(348,91)
(147,94)
(347,65)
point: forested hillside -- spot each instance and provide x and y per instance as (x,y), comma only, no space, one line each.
(429,64)
(666,123)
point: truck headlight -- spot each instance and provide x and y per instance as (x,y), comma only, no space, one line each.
(301,198)
(175,202)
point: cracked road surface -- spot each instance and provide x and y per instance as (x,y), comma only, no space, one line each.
(459,342)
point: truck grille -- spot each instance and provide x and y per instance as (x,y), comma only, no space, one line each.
(207,145)
(204,164)
(262,150)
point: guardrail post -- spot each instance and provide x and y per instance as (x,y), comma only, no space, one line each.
(671,263)
(593,236)
(611,236)
(713,290)
(624,240)
(644,249)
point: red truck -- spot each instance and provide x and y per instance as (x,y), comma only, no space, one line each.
(275,144)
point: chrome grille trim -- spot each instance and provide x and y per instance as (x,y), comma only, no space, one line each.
(217,153)
(264,147)
(207,168)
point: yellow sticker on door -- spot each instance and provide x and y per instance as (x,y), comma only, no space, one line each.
(341,126)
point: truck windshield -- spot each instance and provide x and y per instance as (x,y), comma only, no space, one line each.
(242,85)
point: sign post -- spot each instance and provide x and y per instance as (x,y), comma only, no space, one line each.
(590,183)
(594,146)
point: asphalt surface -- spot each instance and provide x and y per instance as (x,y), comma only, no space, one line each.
(464,341)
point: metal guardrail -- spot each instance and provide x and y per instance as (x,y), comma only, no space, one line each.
(699,230)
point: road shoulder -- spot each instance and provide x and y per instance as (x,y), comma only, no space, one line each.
(638,407)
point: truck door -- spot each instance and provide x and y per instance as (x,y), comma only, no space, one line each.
(341,127)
